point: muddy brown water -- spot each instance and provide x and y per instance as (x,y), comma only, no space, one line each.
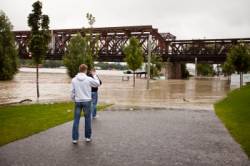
(199,93)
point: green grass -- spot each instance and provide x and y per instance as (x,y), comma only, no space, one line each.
(234,112)
(20,121)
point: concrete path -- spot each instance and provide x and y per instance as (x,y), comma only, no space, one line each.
(133,138)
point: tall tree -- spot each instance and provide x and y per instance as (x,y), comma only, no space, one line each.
(239,59)
(81,49)
(133,55)
(91,39)
(40,37)
(8,52)
(78,52)
(91,19)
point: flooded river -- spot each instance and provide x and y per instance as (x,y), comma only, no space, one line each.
(55,86)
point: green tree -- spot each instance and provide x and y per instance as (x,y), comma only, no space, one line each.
(81,49)
(205,69)
(91,39)
(238,58)
(40,37)
(91,19)
(8,52)
(78,52)
(133,55)
(228,69)
(155,66)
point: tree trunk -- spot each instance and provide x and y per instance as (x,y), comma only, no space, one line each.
(134,79)
(229,80)
(37,81)
(241,79)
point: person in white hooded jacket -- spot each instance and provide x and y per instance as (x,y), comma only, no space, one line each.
(81,94)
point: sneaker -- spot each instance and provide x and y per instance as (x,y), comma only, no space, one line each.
(74,141)
(88,139)
(95,117)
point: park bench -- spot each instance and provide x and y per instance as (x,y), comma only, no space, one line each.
(128,73)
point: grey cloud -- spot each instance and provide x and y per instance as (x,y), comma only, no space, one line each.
(184,18)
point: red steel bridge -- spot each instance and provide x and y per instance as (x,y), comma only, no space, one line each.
(111,41)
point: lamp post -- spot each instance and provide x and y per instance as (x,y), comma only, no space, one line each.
(149,59)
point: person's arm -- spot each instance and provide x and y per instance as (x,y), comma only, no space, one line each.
(72,91)
(94,82)
(99,79)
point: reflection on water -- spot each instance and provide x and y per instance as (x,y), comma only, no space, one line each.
(162,93)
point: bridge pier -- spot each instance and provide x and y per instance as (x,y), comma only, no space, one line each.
(173,70)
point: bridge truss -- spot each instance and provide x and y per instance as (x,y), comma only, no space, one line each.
(111,41)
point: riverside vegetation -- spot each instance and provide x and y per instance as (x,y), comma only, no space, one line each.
(234,112)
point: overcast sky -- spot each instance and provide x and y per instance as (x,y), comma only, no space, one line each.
(187,19)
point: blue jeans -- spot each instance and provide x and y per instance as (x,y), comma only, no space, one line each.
(86,108)
(94,102)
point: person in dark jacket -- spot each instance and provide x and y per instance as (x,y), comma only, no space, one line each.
(94,94)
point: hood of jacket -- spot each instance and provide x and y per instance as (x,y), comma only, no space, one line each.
(81,76)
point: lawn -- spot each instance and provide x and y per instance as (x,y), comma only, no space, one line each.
(234,112)
(20,121)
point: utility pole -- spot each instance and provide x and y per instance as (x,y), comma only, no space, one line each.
(149,59)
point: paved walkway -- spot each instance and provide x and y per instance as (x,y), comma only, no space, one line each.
(135,138)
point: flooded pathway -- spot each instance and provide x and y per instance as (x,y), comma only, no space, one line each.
(55,86)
